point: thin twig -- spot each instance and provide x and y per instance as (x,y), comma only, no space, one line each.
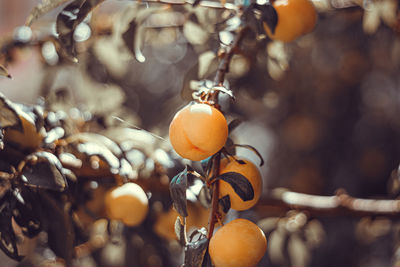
(279,201)
(223,66)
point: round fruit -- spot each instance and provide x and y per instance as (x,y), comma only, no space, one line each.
(239,243)
(198,131)
(295,18)
(248,170)
(127,203)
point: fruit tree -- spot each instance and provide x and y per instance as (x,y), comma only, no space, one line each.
(199,133)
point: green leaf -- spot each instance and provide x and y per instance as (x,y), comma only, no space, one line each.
(239,183)
(177,188)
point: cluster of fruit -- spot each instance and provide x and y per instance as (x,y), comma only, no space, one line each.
(197,132)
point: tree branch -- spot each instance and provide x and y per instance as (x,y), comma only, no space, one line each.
(205,3)
(279,201)
(223,66)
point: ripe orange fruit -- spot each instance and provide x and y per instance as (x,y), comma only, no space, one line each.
(127,203)
(239,243)
(295,18)
(248,170)
(198,131)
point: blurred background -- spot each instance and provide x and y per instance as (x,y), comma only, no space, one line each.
(323,111)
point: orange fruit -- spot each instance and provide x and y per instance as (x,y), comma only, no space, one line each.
(240,243)
(295,18)
(248,170)
(198,131)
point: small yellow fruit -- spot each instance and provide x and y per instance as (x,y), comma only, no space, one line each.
(127,203)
